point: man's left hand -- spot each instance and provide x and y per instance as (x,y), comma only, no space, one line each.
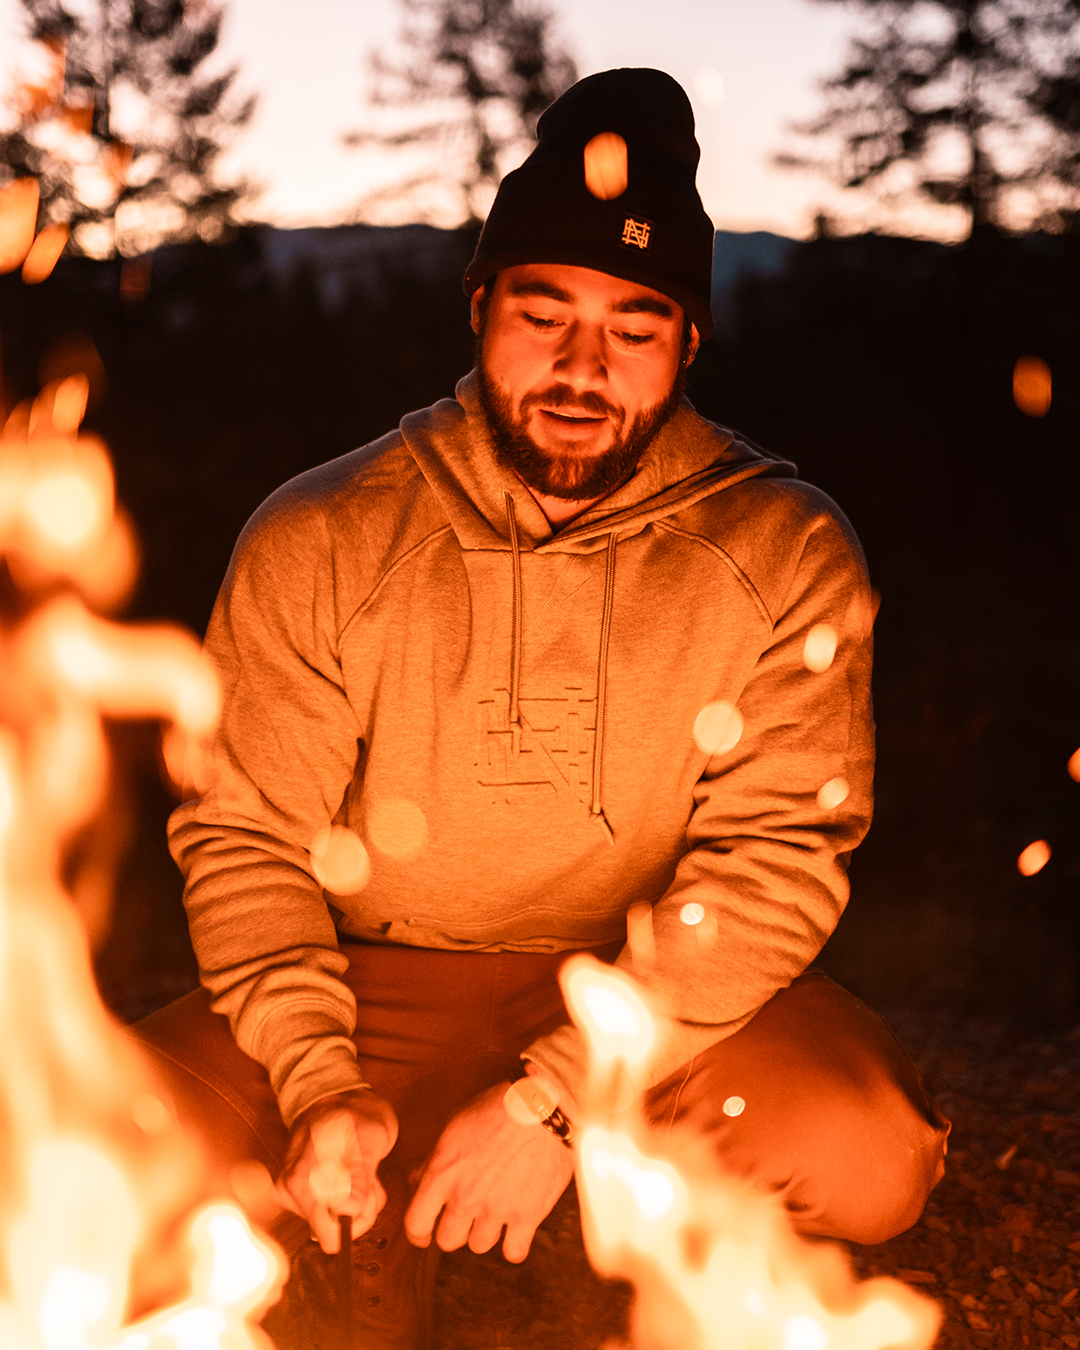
(488,1171)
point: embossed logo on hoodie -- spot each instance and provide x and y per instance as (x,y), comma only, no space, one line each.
(551,752)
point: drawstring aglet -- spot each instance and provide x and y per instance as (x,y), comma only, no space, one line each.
(597,813)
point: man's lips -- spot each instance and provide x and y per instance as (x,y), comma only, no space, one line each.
(571,425)
(571,416)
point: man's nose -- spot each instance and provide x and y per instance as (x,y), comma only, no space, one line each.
(582,358)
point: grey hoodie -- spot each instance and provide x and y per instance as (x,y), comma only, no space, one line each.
(505,717)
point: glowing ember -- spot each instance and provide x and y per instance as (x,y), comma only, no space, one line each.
(18,216)
(44,253)
(397,828)
(99,1185)
(692,913)
(1032,386)
(819,648)
(340,861)
(1034,858)
(718,728)
(833,793)
(716,1263)
(606,172)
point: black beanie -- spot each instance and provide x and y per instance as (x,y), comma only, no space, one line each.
(654,233)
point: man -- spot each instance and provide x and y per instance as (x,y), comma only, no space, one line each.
(481,682)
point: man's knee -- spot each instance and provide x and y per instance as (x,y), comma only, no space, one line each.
(815,1101)
(865,1161)
(219,1094)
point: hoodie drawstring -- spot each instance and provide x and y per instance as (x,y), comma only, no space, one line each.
(515,635)
(596,810)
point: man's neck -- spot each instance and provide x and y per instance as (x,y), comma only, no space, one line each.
(559,510)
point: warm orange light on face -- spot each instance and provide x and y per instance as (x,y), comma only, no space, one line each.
(1034,858)
(1073,766)
(579,355)
(1032,386)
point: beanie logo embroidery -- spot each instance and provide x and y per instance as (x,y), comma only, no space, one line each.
(637,233)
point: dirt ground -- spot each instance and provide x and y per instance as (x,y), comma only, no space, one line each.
(998,1245)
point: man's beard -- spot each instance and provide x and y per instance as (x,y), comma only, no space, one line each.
(568,474)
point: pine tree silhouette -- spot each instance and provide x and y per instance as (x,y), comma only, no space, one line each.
(124,128)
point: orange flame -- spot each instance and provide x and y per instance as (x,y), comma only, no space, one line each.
(716,1264)
(96,1176)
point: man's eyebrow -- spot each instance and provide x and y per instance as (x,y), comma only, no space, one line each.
(640,304)
(644,304)
(544,288)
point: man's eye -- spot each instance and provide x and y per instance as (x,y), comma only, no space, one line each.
(636,339)
(539,321)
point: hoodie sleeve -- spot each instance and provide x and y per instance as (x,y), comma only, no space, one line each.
(280,766)
(773,822)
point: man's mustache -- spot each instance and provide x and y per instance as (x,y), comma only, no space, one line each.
(562,396)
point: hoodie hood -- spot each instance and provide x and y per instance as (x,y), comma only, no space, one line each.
(489,508)
(689,459)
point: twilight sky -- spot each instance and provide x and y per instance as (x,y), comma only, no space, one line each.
(307,61)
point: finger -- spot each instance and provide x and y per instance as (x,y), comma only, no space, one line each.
(421,1215)
(453,1230)
(518,1240)
(483,1235)
(326,1228)
(368,1212)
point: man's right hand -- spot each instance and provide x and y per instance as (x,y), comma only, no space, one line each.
(330,1166)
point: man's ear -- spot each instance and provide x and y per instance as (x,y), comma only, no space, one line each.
(477,296)
(695,343)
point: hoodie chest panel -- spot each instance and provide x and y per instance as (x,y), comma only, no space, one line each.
(430,671)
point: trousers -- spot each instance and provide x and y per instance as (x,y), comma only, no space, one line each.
(823,1106)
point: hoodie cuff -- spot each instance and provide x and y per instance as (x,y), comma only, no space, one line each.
(324,1069)
(564,1058)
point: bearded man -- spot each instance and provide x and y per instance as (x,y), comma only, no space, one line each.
(462,671)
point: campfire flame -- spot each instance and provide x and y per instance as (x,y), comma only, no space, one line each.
(111,1238)
(716,1264)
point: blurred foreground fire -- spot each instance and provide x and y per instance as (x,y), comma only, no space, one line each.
(716,1264)
(110,1236)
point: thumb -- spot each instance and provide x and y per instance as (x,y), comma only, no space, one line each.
(333,1139)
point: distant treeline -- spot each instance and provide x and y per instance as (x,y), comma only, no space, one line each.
(882,366)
